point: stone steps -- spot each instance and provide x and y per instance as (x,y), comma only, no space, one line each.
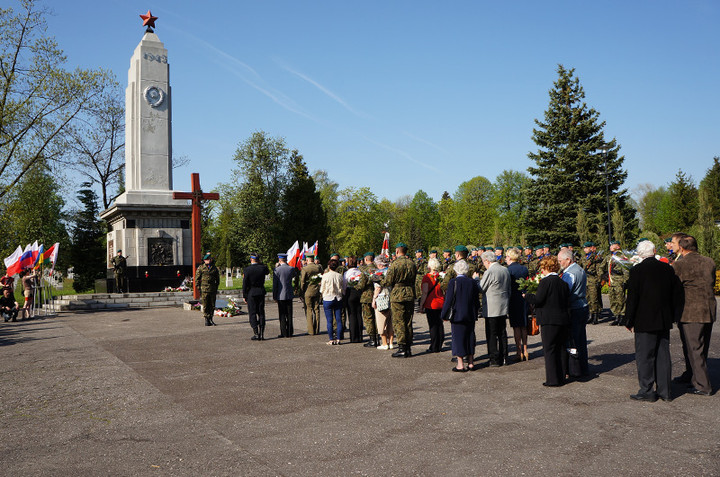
(108,301)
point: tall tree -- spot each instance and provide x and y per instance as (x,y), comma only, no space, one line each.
(328,190)
(683,202)
(359,229)
(88,242)
(711,184)
(447,225)
(474,211)
(510,202)
(39,99)
(423,219)
(569,169)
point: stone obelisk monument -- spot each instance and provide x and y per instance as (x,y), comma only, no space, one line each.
(147,224)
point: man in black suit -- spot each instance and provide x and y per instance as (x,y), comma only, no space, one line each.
(654,301)
(254,295)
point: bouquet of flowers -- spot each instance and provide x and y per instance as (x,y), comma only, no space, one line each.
(529,285)
(178,289)
(315,279)
(622,260)
(353,276)
(232,308)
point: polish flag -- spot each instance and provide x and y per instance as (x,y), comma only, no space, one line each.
(293,254)
(12,263)
(386,245)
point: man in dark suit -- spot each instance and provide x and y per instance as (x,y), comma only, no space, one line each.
(254,295)
(654,301)
(697,274)
(283,294)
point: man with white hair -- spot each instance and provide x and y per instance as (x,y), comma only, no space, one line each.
(654,301)
(575,277)
(495,286)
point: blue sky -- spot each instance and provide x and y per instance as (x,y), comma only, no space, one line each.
(408,95)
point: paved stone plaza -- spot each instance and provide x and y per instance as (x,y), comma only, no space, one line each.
(154,392)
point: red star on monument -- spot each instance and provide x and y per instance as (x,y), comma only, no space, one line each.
(148,19)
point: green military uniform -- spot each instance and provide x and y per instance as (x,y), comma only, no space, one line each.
(421,264)
(367,290)
(311,293)
(401,278)
(207,280)
(119,264)
(451,273)
(592,264)
(617,278)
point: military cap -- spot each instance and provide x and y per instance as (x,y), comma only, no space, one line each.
(254,255)
(401,245)
(207,256)
(498,247)
(282,255)
(614,242)
(481,248)
(461,248)
(538,247)
(120,251)
(335,254)
(309,255)
(369,254)
(433,251)
(669,239)
(447,250)
(546,245)
(526,247)
(419,250)
(589,244)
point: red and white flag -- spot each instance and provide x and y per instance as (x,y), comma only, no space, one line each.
(386,245)
(293,255)
(12,263)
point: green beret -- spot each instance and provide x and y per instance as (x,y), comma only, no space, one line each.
(369,254)
(546,245)
(461,248)
(447,250)
(433,251)
(401,245)
(335,255)
(589,244)
(643,239)
(499,247)
(525,247)
(309,255)
(614,242)
(669,239)
(481,248)
(207,256)
(419,250)
(537,247)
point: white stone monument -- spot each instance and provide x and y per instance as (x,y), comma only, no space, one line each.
(146,223)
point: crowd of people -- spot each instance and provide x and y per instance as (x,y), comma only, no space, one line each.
(9,307)
(383,293)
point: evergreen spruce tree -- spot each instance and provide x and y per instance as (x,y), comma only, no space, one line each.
(683,201)
(711,184)
(88,242)
(570,170)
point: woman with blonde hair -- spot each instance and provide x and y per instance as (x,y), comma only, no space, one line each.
(381,304)
(518,308)
(432,300)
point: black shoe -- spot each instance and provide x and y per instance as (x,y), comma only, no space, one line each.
(208,322)
(666,399)
(262,332)
(402,352)
(457,370)
(615,322)
(551,385)
(371,344)
(644,397)
(694,390)
(596,318)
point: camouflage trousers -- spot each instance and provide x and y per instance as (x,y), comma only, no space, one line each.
(207,300)
(312,313)
(402,316)
(368,316)
(617,296)
(594,295)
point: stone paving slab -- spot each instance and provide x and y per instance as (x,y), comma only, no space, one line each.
(153,392)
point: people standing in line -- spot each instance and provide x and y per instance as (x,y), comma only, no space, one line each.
(283,294)
(332,288)
(119,264)
(495,287)
(592,264)
(697,275)
(517,310)
(352,300)
(254,295)
(552,308)
(343,311)
(575,277)
(617,277)
(654,302)
(310,290)
(381,305)
(460,307)
(401,278)
(207,279)
(431,301)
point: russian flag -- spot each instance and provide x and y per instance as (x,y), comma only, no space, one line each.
(12,263)
(26,260)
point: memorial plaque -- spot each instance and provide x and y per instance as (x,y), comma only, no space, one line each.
(160,251)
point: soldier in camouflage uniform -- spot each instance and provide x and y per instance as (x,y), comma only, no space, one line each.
(461,253)
(592,264)
(401,277)
(617,278)
(447,259)
(421,266)
(310,290)
(207,279)
(365,285)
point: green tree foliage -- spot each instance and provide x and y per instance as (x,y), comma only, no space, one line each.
(474,212)
(569,170)
(328,190)
(33,210)
(705,230)
(711,184)
(651,208)
(510,203)
(582,226)
(683,203)
(359,229)
(88,242)
(447,225)
(39,99)
(423,219)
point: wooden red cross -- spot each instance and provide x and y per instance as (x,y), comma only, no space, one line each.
(197,196)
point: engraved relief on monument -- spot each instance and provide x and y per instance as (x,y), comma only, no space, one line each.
(160,251)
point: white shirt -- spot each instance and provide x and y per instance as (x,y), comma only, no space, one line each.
(332,286)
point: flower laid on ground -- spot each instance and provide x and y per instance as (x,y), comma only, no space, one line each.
(181,288)
(529,285)
(233,307)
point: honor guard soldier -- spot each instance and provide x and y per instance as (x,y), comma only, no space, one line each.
(527,255)
(461,253)
(367,288)
(207,279)
(310,288)
(421,266)
(499,251)
(119,264)
(671,252)
(400,277)
(447,259)
(617,278)
(592,264)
